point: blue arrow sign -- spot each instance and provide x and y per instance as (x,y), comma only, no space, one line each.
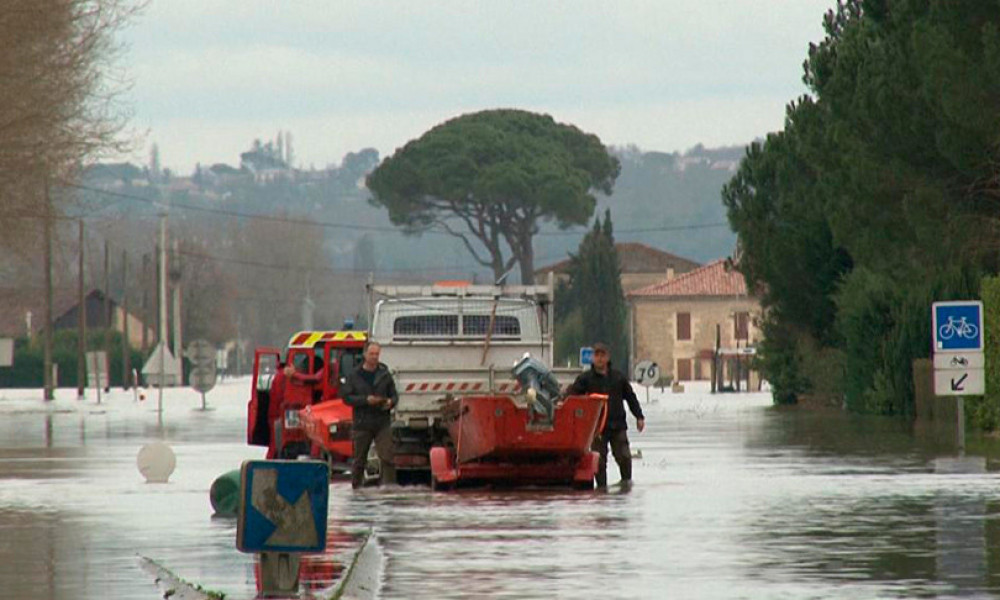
(284,506)
(586,356)
(958,326)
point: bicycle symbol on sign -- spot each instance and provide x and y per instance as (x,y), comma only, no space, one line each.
(958,327)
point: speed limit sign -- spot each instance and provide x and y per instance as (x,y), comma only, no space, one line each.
(646,372)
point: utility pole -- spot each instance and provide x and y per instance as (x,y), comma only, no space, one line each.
(175,279)
(81,342)
(146,320)
(107,314)
(126,346)
(49,384)
(163,311)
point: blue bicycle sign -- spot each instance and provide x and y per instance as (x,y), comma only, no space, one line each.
(960,328)
(957,326)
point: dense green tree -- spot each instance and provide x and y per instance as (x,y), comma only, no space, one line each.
(489,178)
(596,291)
(877,198)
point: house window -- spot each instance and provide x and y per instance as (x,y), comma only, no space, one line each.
(683,369)
(683,326)
(742,323)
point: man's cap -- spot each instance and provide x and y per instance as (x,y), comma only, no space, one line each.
(601,347)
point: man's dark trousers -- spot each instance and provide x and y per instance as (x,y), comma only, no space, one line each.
(363,439)
(618,439)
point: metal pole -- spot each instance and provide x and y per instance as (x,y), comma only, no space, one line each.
(176,280)
(107,314)
(144,311)
(961,425)
(49,384)
(126,344)
(163,310)
(81,342)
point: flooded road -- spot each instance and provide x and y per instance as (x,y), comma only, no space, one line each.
(733,499)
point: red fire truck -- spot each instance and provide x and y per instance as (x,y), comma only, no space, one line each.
(313,421)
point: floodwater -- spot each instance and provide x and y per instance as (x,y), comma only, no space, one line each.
(733,499)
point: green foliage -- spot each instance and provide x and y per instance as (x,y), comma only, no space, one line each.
(492,176)
(885,325)
(779,361)
(596,295)
(776,203)
(882,177)
(27,371)
(569,338)
(984,412)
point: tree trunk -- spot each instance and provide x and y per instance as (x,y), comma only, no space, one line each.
(521,246)
(526,261)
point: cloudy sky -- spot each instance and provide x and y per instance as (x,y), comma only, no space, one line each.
(209,77)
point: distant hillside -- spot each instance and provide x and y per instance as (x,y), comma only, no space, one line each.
(667,200)
(662,200)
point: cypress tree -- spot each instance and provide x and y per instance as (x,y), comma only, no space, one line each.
(597,290)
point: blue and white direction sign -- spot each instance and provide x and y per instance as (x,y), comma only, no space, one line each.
(958,348)
(958,326)
(586,356)
(284,506)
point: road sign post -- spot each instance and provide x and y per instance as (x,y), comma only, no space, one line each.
(202,355)
(283,513)
(646,372)
(957,333)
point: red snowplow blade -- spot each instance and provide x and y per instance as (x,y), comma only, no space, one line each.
(495,439)
(319,419)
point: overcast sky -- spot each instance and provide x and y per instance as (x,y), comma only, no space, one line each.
(209,77)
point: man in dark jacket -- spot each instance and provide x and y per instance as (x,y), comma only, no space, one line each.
(602,379)
(371,392)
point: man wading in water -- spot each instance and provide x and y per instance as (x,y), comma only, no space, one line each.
(602,379)
(371,392)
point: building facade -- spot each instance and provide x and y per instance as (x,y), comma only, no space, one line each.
(640,265)
(681,321)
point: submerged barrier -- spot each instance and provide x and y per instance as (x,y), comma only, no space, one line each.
(225,494)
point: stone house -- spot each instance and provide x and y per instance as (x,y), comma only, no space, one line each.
(641,266)
(678,321)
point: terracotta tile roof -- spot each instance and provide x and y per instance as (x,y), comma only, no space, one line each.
(714,279)
(634,257)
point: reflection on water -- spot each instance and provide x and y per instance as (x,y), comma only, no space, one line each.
(733,498)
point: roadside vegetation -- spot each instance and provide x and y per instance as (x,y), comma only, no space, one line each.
(879,197)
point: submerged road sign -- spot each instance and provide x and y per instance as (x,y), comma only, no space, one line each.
(284,506)
(646,372)
(959,382)
(958,348)
(958,326)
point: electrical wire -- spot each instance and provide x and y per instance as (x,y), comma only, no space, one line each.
(356,226)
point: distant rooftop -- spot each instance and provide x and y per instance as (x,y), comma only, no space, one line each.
(634,257)
(714,279)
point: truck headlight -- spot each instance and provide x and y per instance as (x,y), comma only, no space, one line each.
(334,428)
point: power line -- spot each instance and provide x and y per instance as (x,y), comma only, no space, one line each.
(233,213)
(330,270)
(354,226)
